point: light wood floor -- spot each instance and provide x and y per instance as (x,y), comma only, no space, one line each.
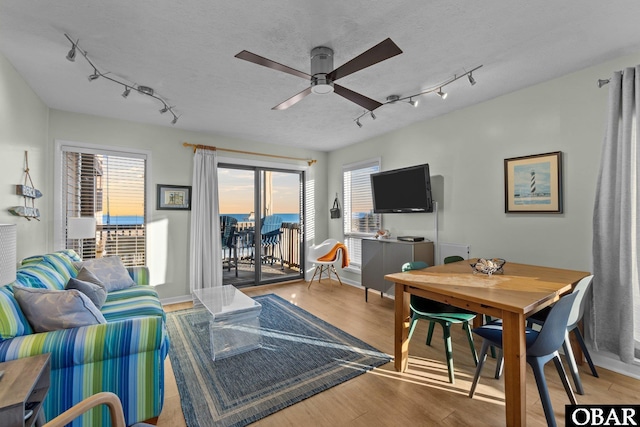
(422,396)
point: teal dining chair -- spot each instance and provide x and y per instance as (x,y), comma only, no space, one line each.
(443,314)
(453,258)
(542,346)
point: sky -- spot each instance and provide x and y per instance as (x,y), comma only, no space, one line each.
(236,191)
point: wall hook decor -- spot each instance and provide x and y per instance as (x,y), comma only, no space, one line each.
(29,193)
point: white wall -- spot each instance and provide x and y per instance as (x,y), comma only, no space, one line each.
(23,127)
(466,150)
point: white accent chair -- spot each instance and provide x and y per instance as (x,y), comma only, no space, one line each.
(315,252)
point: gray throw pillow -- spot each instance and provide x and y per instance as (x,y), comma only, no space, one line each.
(50,310)
(96,293)
(110,271)
(87,276)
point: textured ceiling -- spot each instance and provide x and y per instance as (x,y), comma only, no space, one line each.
(185,51)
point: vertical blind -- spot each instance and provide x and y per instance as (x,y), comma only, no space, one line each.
(111,189)
(359,219)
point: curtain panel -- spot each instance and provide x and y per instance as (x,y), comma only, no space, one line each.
(615,309)
(205,249)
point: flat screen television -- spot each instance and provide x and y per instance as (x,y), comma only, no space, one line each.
(406,190)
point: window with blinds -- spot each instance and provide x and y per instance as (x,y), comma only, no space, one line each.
(359,219)
(111,189)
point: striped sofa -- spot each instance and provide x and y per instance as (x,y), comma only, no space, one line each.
(124,356)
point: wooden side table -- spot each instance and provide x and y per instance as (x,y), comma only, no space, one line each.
(23,387)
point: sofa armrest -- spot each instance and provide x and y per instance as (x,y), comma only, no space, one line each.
(139,274)
(88,344)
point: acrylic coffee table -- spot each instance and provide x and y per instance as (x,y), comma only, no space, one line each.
(234,327)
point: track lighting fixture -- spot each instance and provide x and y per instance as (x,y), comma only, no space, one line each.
(143,90)
(392,99)
(602,82)
(472,81)
(71,56)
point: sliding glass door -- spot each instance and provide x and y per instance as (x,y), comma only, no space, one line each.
(261,216)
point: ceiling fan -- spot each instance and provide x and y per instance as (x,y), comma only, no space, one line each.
(323,75)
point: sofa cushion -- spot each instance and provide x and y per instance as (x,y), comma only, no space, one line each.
(13,323)
(111,272)
(62,264)
(96,293)
(40,275)
(136,301)
(50,310)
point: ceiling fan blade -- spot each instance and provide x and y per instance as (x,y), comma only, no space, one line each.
(294,99)
(366,103)
(260,60)
(383,50)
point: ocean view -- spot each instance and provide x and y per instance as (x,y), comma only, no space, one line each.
(286,217)
(122,220)
(136,220)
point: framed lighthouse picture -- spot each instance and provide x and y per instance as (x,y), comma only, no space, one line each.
(533,184)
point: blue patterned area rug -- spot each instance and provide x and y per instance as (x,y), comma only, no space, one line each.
(301,355)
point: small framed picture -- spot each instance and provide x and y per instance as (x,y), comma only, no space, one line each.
(174,197)
(533,184)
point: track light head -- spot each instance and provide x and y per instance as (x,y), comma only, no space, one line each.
(164,109)
(127,91)
(71,56)
(373,116)
(94,76)
(358,123)
(472,81)
(412,102)
(602,82)
(175,119)
(392,98)
(442,94)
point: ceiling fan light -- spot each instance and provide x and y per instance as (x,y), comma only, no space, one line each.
(321,86)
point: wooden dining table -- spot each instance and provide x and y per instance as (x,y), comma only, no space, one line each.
(513,295)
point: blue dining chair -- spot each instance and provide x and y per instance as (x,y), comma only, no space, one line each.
(542,346)
(577,311)
(443,314)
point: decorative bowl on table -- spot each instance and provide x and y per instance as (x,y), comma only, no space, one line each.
(488,266)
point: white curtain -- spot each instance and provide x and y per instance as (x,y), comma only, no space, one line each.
(615,316)
(205,269)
